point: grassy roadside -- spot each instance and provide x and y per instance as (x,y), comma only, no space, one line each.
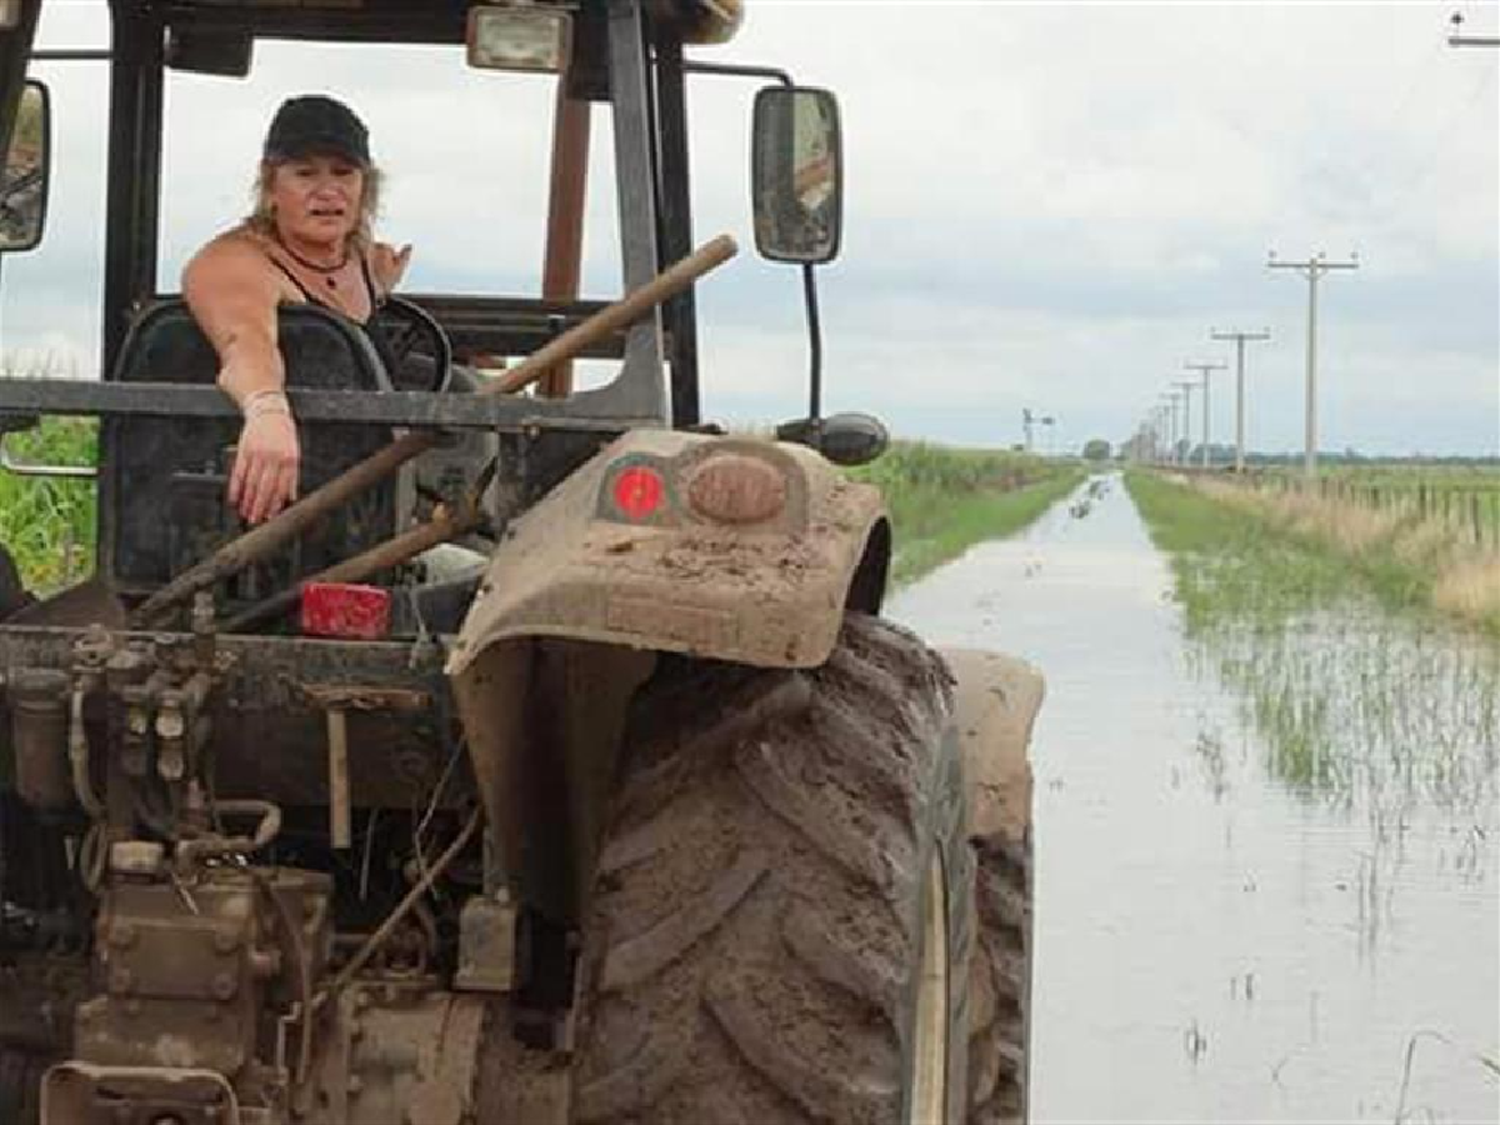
(942,501)
(1225,564)
(1237,549)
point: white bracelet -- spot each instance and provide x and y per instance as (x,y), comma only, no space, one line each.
(269,401)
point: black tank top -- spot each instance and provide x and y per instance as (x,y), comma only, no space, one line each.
(370,327)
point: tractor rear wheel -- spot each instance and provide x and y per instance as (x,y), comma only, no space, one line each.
(782,924)
(1000,1019)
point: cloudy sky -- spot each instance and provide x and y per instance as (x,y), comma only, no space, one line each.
(1049,205)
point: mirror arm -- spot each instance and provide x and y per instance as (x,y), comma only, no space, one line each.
(693,66)
(815,334)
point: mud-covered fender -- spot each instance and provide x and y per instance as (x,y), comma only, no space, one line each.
(770,592)
(581,595)
(996,699)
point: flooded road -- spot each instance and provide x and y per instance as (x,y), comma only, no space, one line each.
(1267,858)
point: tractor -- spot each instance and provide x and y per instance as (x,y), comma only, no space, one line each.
(643,813)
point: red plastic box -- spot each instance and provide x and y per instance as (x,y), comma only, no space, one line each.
(345,610)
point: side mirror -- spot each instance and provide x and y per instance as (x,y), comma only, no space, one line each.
(23,180)
(796,174)
(845,439)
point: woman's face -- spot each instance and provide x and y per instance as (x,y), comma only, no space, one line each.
(316,199)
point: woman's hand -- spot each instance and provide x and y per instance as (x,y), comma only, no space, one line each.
(264,477)
(388,265)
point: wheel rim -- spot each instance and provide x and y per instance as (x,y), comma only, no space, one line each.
(929,1086)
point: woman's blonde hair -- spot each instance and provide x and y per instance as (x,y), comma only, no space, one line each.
(262,217)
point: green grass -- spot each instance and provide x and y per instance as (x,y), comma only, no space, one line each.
(1227,563)
(41,517)
(1357,705)
(942,501)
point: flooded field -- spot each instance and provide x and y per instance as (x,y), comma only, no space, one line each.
(1268,851)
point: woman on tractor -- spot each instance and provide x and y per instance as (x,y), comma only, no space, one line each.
(308,239)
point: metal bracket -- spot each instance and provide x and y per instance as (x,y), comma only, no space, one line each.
(26,469)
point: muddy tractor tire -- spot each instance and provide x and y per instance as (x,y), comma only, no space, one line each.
(1000,1013)
(782,926)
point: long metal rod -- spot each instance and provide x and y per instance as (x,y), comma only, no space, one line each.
(73,54)
(422,409)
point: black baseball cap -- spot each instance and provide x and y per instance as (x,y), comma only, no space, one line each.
(314,123)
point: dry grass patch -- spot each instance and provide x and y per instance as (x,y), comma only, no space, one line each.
(1427,560)
(1471,590)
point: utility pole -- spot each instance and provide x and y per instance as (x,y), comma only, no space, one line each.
(1312,269)
(1204,369)
(1239,339)
(1167,409)
(1026,425)
(1187,389)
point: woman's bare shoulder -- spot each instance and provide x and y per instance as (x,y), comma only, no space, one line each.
(239,244)
(238,253)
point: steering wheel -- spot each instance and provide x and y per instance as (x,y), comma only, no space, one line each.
(419,353)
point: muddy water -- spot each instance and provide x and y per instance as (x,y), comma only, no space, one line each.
(1268,857)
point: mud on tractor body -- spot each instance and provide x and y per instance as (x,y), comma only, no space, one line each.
(647,816)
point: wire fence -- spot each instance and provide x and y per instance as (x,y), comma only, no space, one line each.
(1468,508)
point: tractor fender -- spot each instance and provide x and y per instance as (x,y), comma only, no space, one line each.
(581,595)
(769,592)
(996,699)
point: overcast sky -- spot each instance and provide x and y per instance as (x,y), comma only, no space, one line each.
(1049,205)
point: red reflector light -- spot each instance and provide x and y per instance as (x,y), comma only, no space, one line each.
(638,491)
(340,609)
